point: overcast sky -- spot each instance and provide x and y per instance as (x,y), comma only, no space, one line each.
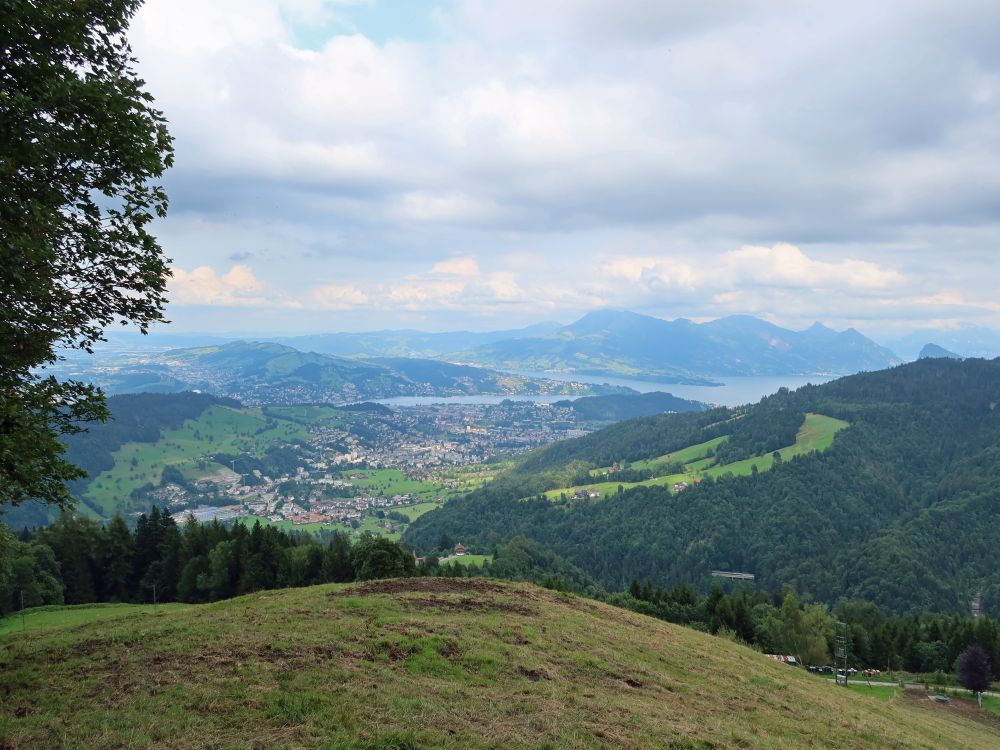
(476,164)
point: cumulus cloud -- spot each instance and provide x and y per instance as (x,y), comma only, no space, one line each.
(778,266)
(786,265)
(203,286)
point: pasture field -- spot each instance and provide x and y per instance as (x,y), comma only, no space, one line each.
(391,482)
(443,663)
(472,561)
(59,616)
(991,704)
(220,429)
(687,456)
(413,512)
(815,434)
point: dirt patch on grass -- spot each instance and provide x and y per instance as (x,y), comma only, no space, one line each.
(477,595)
(964,707)
(534,674)
(423,585)
(468,604)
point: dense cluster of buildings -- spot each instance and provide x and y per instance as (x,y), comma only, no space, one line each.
(422,441)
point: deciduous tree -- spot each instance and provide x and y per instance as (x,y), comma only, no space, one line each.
(974,671)
(81,149)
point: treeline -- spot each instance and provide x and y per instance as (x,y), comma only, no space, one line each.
(902,510)
(760,431)
(782,623)
(78,561)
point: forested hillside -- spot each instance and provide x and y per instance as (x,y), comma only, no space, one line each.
(902,509)
(135,418)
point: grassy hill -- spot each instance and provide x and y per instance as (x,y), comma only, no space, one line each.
(432,663)
(815,434)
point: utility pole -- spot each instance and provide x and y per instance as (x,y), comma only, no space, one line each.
(23,626)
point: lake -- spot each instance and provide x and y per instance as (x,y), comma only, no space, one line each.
(733,391)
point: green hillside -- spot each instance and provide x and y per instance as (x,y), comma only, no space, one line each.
(433,663)
(698,461)
(274,373)
(888,489)
(219,429)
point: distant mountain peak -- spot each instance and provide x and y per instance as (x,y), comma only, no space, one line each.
(818,327)
(933,351)
(624,343)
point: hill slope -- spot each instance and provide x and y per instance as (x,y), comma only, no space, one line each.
(626,343)
(901,507)
(259,373)
(432,663)
(407,343)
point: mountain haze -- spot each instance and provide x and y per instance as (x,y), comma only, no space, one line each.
(408,343)
(680,351)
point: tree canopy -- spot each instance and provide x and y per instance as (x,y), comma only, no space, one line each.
(81,149)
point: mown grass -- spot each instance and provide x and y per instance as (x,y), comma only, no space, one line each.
(991,704)
(47,618)
(413,512)
(431,663)
(473,561)
(881,692)
(816,434)
(394,482)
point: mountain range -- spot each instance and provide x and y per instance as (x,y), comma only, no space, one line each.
(419,344)
(681,351)
(605,343)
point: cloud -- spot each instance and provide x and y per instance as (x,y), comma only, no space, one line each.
(238,287)
(787,266)
(779,266)
(682,158)
(462,266)
(338,297)
(426,206)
